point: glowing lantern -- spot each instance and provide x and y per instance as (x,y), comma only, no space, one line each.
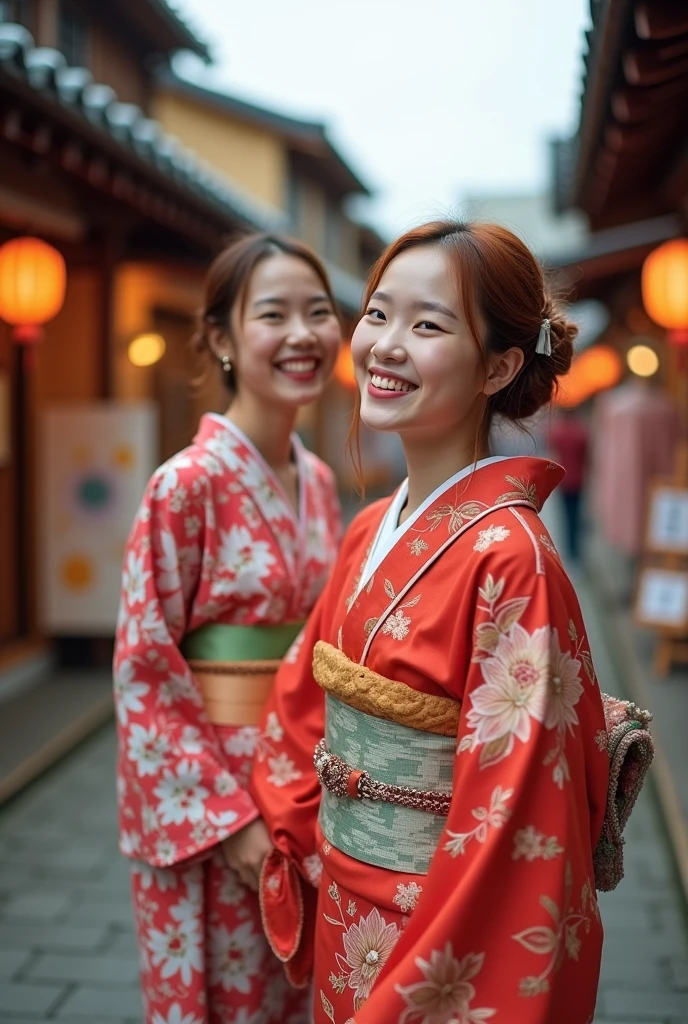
(665,288)
(594,370)
(344,368)
(146,349)
(33,279)
(642,361)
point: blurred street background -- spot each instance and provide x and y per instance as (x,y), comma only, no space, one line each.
(138,137)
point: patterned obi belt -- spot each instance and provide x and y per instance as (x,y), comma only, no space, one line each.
(236,666)
(387,781)
(386,765)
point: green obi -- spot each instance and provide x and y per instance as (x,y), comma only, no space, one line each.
(386,835)
(220,642)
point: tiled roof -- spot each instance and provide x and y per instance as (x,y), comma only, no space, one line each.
(97,107)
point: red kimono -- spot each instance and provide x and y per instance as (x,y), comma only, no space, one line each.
(215,541)
(459,682)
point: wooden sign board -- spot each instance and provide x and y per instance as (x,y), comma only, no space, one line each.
(667,520)
(662,599)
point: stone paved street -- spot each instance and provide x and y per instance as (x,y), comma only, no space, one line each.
(67,951)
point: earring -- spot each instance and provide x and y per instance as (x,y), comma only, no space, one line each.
(226,364)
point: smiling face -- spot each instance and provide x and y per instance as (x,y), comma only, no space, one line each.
(419,370)
(285,334)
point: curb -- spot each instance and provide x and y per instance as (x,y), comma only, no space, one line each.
(620,647)
(57,747)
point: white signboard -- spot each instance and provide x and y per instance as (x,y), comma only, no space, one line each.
(663,598)
(668,520)
(96,461)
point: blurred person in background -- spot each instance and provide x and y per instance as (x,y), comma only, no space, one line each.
(464,768)
(569,438)
(234,540)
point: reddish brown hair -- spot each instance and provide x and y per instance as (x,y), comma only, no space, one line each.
(227,281)
(504,299)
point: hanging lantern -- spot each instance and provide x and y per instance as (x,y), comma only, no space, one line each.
(33,278)
(344,368)
(594,370)
(665,288)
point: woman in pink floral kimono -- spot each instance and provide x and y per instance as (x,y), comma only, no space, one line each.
(232,545)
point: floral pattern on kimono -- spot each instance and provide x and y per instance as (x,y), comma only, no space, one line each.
(215,541)
(470,605)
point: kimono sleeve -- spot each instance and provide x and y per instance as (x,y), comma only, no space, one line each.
(507,924)
(176,797)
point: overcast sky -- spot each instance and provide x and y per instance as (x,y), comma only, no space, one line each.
(428,100)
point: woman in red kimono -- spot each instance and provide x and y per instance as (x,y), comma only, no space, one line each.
(459,729)
(231,547)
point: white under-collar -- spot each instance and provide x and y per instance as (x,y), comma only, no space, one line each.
(390,533)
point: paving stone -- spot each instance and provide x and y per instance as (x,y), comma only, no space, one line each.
(12,960)
(621,1002)
(125,942)
(678,968)
(22,998)
(62,937)
(98,1002)
(37,906)
(94,911)
(103,969)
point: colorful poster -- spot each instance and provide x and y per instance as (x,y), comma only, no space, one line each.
(95,462)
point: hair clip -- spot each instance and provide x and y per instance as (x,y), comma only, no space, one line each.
(544,342)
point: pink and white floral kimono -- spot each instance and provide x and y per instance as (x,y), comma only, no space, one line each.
(215,541)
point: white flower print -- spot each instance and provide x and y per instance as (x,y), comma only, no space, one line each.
(179,687)
(181,795)
(153,626)
(565,688)
(270,501)
(446,993)
(250,512)
(282,771)
(129,843)
(192,526)
(163,878)
(495,817)
(231,891)
(273,729)
(234,957)
(222,820)
(189,566)
(224,446)
(514,691)
(397,625)
(177,950)
(313,868)
(175,1015)
(407,896)
(210,464)
(165,851)
(548,545)
(134,579)
(243,742)
(128,691)
(167,477)
(531,844)
(191,741)
(148,749)
(243,563)
(225,784)
(177,499)
(418,546)
(168,577)
(492,535)
(368,945)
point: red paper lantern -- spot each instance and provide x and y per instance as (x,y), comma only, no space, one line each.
(665,288)
(33,279)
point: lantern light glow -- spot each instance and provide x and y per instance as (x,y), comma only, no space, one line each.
(642,360)
(146,349)
(33,280)
(665,288)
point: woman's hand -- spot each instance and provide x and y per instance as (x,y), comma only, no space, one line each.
(245,851)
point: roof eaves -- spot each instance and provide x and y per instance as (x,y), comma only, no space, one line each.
(97,108)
